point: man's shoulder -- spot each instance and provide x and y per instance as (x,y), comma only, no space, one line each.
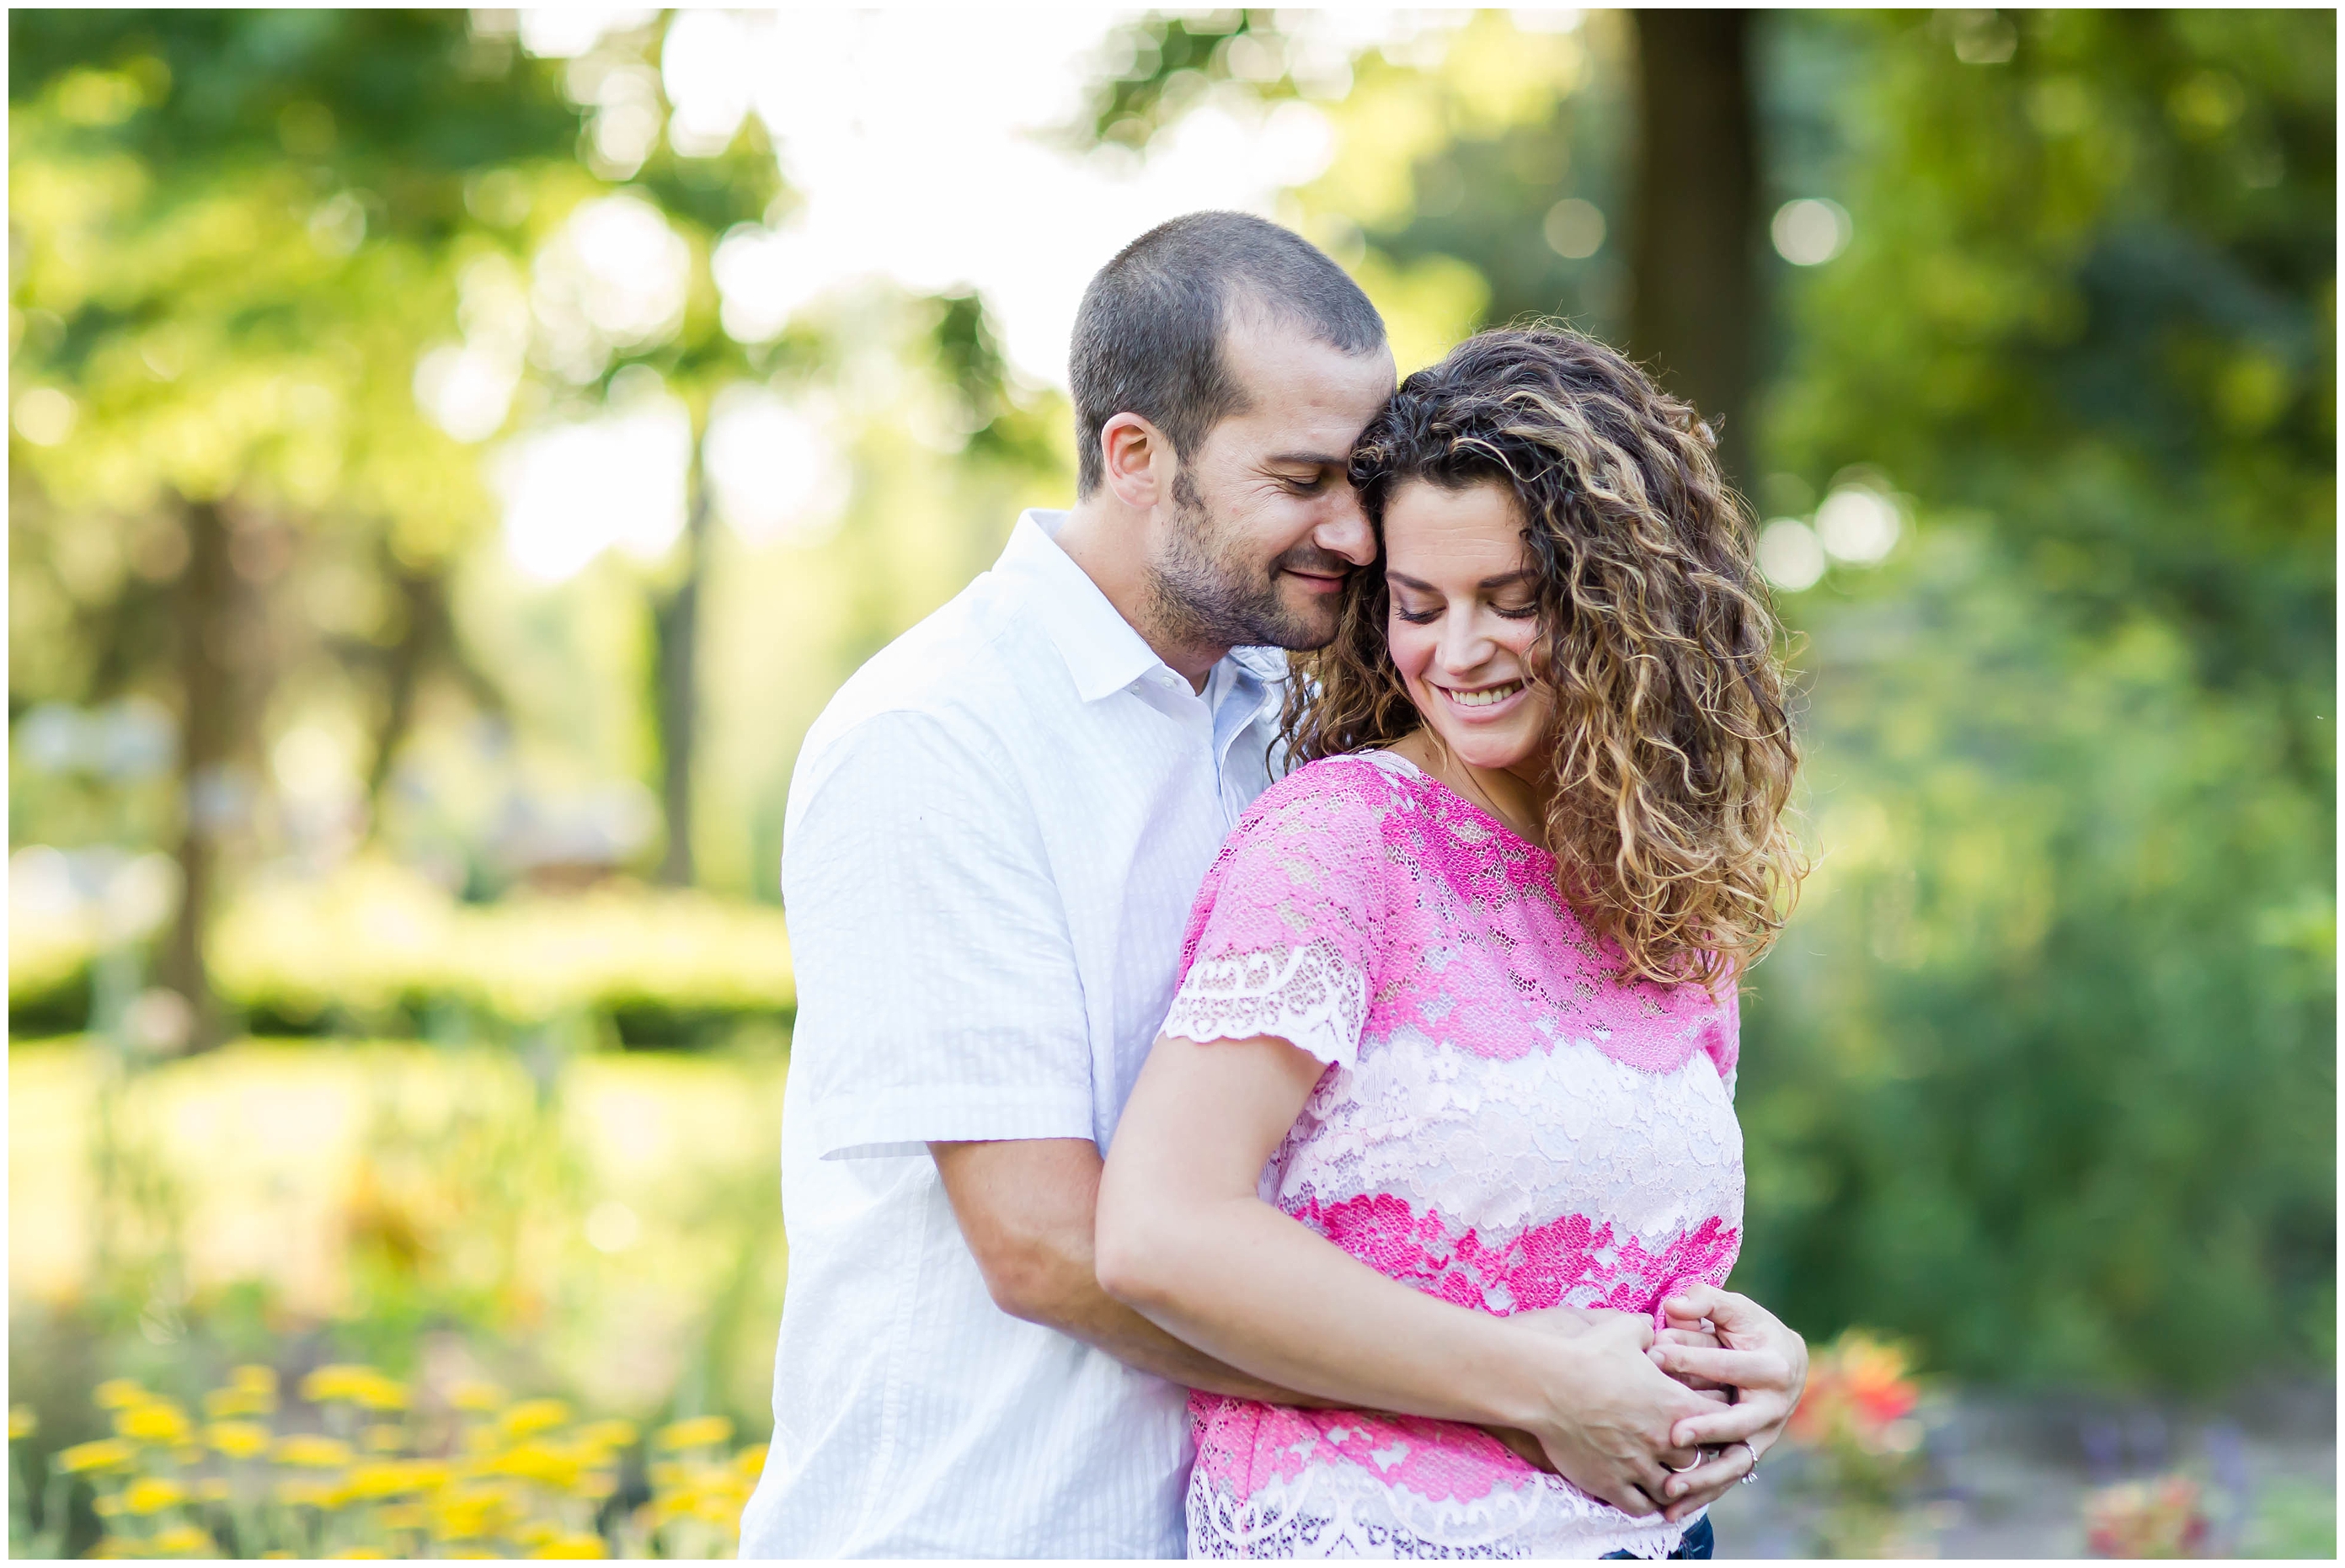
(963,677)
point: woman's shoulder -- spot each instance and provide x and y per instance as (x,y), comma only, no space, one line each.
(1355,788)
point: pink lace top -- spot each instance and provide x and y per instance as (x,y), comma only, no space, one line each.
(1502,1124)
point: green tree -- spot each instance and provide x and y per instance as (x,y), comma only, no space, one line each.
(2044,1074)
(2041,1074)
(234,232)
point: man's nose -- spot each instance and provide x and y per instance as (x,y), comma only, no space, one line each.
(1344,530)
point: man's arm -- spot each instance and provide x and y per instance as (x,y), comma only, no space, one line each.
(1027,1208)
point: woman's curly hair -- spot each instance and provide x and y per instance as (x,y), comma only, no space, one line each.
(1670,752)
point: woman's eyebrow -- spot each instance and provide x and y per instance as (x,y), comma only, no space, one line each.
(1504,580)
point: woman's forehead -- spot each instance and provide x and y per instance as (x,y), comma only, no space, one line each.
(1478,527)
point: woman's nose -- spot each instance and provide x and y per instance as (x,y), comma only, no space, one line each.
(1464,645)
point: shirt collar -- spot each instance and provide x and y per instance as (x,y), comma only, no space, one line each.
(1103,652)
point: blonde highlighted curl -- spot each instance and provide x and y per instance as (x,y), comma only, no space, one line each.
(1671,753)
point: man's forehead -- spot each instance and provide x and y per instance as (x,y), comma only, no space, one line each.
(1277,359)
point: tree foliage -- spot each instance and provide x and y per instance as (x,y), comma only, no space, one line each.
(2041,1074)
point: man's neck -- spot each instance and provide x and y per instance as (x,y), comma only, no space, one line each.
(1110,542)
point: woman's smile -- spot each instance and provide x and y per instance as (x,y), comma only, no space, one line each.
(1480,704)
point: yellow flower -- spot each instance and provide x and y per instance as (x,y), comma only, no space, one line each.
(429,1473)
(750,1462)
(221,1404)
(479,1398)
(22,1422)
(380,1393)
(184,1541)
(237,1438)
(701,1432)
(582,1544)
(471,1513)
(311,1451)
(337,1381)
(355,1554)
(255,1379)
(535,1533)
(379,1479)
(532,1416)
(465,1552)
(667,1475)
(156,1421)
(608,1433)
(539,1462)
(114,1546)
(274,1554)
(401,1516)
(305,1494)
(106,1454)
(717,1507)
(115,1393)
(152,1494)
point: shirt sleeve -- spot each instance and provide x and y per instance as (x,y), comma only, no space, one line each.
(1284,937)
(937,995)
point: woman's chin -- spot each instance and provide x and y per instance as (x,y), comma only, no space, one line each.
(1489,753)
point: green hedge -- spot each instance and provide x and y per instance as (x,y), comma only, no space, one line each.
(379,946)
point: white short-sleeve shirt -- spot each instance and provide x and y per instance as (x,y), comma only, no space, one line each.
(993,837)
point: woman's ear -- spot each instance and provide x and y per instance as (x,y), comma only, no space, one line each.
(1138,460)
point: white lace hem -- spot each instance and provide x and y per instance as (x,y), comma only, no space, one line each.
(1309,996)
(1324,1513)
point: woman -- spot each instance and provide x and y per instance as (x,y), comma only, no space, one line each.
(1457,1003)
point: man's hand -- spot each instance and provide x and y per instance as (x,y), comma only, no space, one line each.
(1761,1359)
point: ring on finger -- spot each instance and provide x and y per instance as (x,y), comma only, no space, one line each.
(1700,1457)
(1750,1474)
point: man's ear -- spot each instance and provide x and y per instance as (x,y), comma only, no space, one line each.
(1137,459)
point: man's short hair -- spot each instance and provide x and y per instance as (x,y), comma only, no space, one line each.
(1148,335)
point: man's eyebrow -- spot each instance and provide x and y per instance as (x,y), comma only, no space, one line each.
(1307,460)
(1504,580)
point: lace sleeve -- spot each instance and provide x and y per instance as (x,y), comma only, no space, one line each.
(1283,938)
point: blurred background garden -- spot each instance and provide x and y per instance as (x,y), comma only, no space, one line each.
(456,455)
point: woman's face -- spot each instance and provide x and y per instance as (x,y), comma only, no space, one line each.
(1463,619)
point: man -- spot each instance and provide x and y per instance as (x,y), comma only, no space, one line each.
(993,836)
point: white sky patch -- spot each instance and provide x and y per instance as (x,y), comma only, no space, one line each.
(919,147)
(574,491)
(776,472)
(916,142)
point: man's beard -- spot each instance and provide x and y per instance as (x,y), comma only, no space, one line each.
(1204,591)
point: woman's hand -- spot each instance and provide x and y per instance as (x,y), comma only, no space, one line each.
(1762,1360)
(1574,1321)
(1605,1411)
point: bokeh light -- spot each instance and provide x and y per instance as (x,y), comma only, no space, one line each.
(1811,231)
(1790,554)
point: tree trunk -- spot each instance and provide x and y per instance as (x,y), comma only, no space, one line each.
(1695,314)
(676,623)
(423,604)
(207,601)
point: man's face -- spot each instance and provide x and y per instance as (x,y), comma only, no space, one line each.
(1265,527)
